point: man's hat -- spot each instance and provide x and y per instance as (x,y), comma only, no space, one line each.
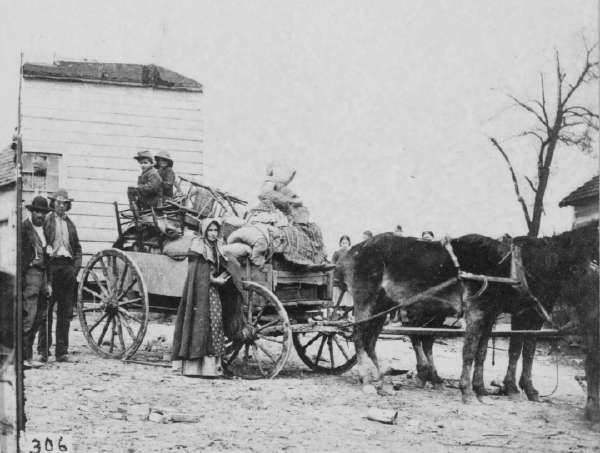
(164,155)
(144,155)
(39,203)
(60,195)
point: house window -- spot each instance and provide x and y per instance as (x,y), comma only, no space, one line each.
(40,172)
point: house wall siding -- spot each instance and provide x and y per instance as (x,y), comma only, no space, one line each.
(98,129)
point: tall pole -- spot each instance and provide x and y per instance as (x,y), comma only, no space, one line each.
(18,277)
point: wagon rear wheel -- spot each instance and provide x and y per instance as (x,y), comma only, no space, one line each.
(113,304)
(264,343)
(331,350)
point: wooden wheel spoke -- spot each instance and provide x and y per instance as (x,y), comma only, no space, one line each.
(100,285)
(129,301)
(92,292)
(127,326)
(260,367)
(258,315)
(121,280)
(120,332)
(315,338)
(265,352)
(330,346)
(268,338)
(98,322)
(101,339)
(318,357)
(112,336)
(234,354)
(109,282)
(129,315)
(269,324)
(134,280)
(337,342)
(88,309)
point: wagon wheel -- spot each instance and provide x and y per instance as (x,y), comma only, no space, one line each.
(264,344)
(112,303)
(329,351)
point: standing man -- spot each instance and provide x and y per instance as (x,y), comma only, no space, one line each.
(64,253)
(33,269)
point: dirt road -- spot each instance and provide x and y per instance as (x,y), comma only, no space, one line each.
(299,411)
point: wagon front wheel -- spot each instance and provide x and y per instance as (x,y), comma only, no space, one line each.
(327,349)
(264,338)
(112,303)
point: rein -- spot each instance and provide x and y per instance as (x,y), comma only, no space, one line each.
(517,280)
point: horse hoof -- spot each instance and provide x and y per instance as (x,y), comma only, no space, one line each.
(438,386)
(514,396)
(483,400)
(467,398)
(420,382)
(369,389)
(533,396)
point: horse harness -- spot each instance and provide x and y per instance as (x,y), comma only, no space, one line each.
(517,280)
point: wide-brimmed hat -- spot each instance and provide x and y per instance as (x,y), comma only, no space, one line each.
(39,203)
(60,195)
(164,155)
(144,155)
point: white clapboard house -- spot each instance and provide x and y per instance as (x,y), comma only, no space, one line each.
(82,123)
(584,200)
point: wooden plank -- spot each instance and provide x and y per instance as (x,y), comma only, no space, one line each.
(105,209)
(309,278)
(93,94)
(115,117)
(86,148)
(95,221)
(87,234)
(154,269)
(167,128)
(426,331)
(73,138)
(125,174)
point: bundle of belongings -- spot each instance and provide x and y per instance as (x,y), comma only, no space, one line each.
(279,224)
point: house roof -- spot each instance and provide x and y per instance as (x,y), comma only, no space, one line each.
(151,76)
(587,191)
(7,167)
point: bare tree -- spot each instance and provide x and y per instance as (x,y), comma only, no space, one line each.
(560,121)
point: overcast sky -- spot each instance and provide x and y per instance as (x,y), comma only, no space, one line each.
(384,107)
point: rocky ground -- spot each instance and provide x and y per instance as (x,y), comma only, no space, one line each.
(101,404)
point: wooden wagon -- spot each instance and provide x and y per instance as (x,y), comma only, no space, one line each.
(283,305)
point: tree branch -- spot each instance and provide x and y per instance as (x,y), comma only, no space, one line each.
(587,68)
(531,184)
(529,109)
(515,182)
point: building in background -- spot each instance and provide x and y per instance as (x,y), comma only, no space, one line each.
(584,200)
(82,123)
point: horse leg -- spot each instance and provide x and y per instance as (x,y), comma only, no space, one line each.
(422,364)
(434,378)
(363,333)
(478,381)
(474,329)
(526,383)
(376,326)
(515,347)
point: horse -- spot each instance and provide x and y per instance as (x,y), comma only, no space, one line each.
(391,271)
(556,266)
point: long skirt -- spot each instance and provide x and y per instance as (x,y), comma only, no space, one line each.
(199,325)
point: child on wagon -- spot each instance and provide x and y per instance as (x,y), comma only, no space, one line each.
(164,165)
(149,185)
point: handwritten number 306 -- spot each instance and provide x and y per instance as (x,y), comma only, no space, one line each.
(48,445)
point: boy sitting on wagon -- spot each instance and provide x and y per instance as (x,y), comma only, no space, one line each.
(149,184)
(164,166)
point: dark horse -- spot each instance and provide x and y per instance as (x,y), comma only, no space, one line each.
(388,270)
(556,267)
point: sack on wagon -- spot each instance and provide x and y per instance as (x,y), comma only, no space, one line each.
(257,238)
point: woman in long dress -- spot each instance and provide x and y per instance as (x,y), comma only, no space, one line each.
(338,274)
(199,338)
